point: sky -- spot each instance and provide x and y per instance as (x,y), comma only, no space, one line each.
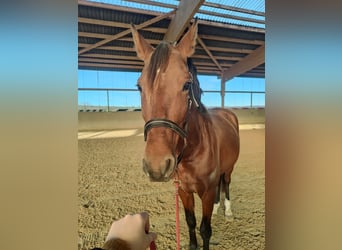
(131,99)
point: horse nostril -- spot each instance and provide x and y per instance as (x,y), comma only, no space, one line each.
(168,165)
(161,171)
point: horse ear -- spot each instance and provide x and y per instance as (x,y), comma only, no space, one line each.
(142,47)
(187,45)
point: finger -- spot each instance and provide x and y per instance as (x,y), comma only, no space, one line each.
(145,216)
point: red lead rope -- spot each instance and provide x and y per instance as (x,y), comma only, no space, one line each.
(153,245)
(177,214)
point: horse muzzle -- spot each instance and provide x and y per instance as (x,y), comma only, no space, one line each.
(160,171)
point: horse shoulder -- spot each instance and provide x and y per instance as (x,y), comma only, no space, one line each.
(224,119)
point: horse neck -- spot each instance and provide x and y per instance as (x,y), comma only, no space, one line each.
(198,127)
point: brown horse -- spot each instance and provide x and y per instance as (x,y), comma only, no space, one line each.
(184,140)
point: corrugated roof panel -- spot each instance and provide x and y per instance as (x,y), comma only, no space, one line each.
(254,5)
(135,5)
(112,15)
(227,16)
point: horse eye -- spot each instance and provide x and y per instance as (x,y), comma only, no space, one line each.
(139,87)
(186,86)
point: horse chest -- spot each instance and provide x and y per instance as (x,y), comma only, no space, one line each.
(192,180)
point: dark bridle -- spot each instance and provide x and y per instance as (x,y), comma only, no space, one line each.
(182,132)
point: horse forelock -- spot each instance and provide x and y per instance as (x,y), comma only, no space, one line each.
(159,61)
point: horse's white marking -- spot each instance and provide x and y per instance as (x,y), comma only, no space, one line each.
(228,210)
(212,176)
(216,206)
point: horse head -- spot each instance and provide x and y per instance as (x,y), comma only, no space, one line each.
(165,86)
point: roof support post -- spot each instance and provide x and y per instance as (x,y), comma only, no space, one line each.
(223,91)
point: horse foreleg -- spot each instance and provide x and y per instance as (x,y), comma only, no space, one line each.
(228,212)
(189,204)
(207,209)
(218,195)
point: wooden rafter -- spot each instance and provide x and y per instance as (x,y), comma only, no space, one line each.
(110,56)
(117,48)
(206,70)
(241,51)
(126,32)
(209,53)
(103,22)
(249,62)
(225,58)
(162,31)
(233,40)
(234,50)
(118,24)
(85,59)
(108,65)
(186,10)
(93,35)
(232,26)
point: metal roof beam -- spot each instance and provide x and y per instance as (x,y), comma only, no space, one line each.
(249,62)
(186,10)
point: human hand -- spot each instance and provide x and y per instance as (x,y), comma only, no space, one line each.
(134,229)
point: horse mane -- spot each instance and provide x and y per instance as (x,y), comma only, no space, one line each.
(196,86)
(159,60)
